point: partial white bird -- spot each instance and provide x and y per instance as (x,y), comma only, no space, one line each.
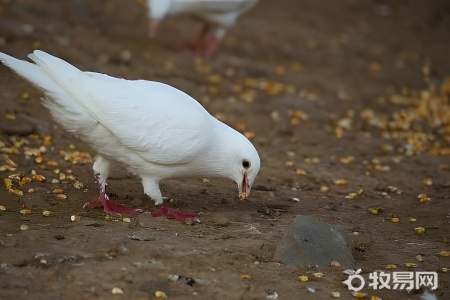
(154,130)
(220,13)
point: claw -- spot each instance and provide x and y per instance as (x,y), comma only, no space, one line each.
(108,206)
(171,213)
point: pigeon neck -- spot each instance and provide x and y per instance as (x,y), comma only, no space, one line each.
(220,158)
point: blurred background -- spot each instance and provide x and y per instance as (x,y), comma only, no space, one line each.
(347,103)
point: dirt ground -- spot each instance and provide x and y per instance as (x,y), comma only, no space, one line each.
(347,105)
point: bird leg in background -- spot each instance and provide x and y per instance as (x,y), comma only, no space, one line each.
(171,213)
(152,28)
(196,43)
(108,206)
(211,47)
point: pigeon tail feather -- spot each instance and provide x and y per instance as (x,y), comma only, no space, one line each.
(45,75)
(29,71)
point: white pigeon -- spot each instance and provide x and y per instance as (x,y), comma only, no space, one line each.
(154,130)
(221,13)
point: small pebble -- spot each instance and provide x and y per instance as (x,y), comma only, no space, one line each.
(59,237)
(47,213)
(420,230)
(359,295)
(335,294)
(78,185)
(117,290)
(173,277)
(272,295)
(160,295)
(335,263)
(75,218)
(25,211)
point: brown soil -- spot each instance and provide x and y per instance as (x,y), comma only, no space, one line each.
(312,81)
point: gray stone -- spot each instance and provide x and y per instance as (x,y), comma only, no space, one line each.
(310,242)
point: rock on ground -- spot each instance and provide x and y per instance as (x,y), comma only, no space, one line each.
(310,242)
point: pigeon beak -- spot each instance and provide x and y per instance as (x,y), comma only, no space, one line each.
(244,188)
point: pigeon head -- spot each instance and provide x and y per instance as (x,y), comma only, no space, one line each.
(246,174)
(244,163)
(231,156)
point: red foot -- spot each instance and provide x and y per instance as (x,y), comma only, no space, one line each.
(199,45)
(108,206)
(199,48)
(210,47)
(171,213)
(193,46)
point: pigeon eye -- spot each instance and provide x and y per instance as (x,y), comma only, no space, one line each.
(246,164)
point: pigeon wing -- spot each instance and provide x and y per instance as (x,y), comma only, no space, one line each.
(161,123)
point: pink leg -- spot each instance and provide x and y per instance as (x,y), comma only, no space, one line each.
(171,213)
(211,47)
(152,28)
(197,41)
(112,208)
(108,206)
